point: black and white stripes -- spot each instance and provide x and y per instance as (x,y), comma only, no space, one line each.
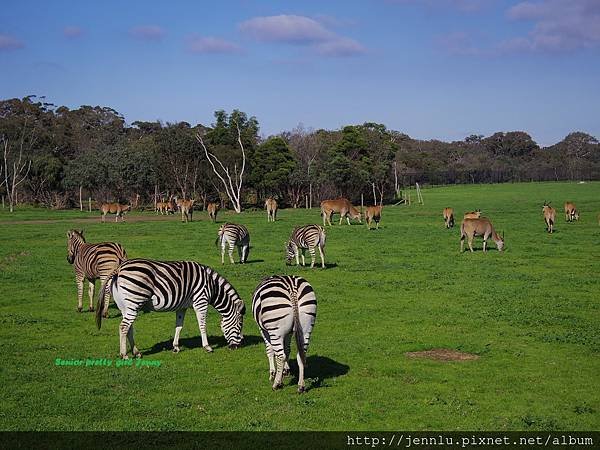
(282,306)
(234,235)
(92,262)
(142,284)
(307,237)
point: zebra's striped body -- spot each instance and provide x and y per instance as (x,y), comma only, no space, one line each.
(142,284)
(307,237)
(282,306)
(234,235)
(92,261)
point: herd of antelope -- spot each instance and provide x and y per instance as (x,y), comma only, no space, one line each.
(473,225)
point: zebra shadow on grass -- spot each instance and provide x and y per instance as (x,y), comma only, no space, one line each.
(318,370)
(216,342)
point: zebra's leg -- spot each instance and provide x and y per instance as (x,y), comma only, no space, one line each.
(303,260)
(311,250)
(279,362)
(286,349)
(129,316)
(134,350)
(200,309)
(79,293)
(91,293)
(322,257)
(231,253)
(270,355)
(223,252)
(179,316)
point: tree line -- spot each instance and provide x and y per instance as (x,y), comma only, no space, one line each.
(55,157)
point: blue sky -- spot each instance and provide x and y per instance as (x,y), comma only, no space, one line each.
(434,69)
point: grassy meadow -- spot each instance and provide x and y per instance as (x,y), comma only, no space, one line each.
(531,314)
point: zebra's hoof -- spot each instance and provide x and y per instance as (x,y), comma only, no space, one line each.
(91,309)
(271,376)
(79,309)
(277,386)
(124,356)
(286,372)
(105,315)
(208,348)
(137,355)
(301,389)
(175,349)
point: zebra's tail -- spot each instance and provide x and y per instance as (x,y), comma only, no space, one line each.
(298,334)
(102,297)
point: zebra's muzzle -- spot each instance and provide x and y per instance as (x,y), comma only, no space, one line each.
(70,259)
(234,346)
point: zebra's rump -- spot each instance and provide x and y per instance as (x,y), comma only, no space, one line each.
(308,236)
(274,298)
(234,233)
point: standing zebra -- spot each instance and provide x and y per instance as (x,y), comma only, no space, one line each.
(282,306)
(233,235)
(92,261)
(306,237)
(142,284)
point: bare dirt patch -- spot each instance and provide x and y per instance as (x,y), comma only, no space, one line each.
(442,354)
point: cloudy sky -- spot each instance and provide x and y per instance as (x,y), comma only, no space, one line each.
(435,69)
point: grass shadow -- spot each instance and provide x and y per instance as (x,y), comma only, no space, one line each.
(319,369)
(196,342)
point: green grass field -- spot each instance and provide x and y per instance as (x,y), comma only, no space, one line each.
(531,313)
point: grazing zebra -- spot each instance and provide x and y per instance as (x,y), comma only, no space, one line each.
(92,261)
(114,208)
(282,306)
(142,284)
(212,209)
(307,237)
(271,206)
(234,235)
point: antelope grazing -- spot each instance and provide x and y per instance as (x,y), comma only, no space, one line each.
(549,216)
(470,228)
(114,208)
(571,212)
(271,206)
(187,209)
(448,217)
(212,209)
(473,214)
(373,213)
(342,206)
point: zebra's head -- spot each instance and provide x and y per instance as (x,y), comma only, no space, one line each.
(75,237)
(231,325)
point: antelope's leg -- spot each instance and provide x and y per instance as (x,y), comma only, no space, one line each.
(471,244)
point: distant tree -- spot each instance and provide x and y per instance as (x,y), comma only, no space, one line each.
(272,164)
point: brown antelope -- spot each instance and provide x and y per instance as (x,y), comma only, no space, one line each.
(448,217)
(473,214)
(187,209)
(114,208)
(373,213)
(571,212)
(271,206)
(342,206)
(212,209)
(470,228)
(549,216)
(162,207)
